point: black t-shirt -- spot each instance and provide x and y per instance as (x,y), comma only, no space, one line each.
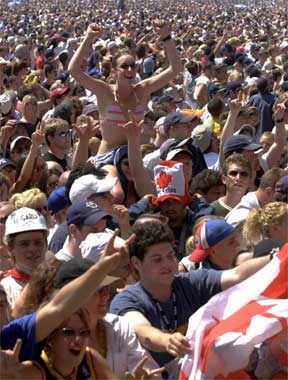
(61,161)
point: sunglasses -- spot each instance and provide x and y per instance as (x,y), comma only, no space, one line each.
(125,66)
(64,134)
(234,173)
(67,332)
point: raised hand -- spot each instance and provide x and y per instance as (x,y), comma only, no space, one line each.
(236,104)
(7,131)
(141,373)
(160,27)
(94,30)
(9,363)
(38,136)
(279,111)
(112,256)
(87,129)
(132,129)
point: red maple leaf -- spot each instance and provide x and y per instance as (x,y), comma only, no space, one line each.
(163,180)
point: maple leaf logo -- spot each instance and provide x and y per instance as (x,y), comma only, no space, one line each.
(163,179)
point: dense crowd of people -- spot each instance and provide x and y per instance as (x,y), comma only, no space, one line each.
(143,170)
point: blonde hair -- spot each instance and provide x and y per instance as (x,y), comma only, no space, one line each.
(28,99)
(259,221)
(235,75)
(28,198)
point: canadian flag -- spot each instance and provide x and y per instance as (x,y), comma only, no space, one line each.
(224,332)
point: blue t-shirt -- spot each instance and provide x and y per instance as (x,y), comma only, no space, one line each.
(192,290)
(22,328)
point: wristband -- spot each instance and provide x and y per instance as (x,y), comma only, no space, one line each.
(279,120)
(167,38)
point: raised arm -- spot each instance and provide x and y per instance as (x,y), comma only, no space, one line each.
(228,130)
(27,169)
(98,87)
(142,181)
(75,294)
(238,274)
(157,82)
(274,153)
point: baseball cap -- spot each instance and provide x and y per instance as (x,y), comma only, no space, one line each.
(282,185)
(25,219)
(19,138)
(165,99)
(159,122)
(58,92)
(89,108)
(72,269)
(84,213)
(88,184)
(4,162)
(246,128)
(201,136)
(255,47)
(5,104)
(207,235)
(148,65)
(236,142)
(176,117)
(57,200)
(173,152)
(94,244)
(233,86)
(111,45)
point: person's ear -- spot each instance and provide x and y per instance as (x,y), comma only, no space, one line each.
(135,261)
(73,230)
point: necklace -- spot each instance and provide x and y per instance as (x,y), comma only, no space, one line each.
(170,326)
(58,375)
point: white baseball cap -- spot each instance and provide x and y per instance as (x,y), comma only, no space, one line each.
(25,219)
(93,246)
(88,184)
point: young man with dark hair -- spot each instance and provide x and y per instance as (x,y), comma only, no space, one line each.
(160,304)
(209,185)
(256,199)
(237,175)
(58,139)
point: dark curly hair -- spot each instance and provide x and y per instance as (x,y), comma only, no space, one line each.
(148,234)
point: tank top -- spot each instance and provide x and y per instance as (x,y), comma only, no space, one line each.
(85,370)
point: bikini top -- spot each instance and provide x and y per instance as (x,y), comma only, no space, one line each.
(114,112)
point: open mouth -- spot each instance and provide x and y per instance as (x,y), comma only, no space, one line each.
(75,352)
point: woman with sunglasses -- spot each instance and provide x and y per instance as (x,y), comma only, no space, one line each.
(114,101)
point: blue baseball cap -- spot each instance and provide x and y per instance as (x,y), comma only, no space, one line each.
(57,200)
(208,234)
(84,213)
(4,162)
(236,142)
(176,117)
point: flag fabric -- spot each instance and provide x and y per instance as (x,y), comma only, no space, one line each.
(224,332)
